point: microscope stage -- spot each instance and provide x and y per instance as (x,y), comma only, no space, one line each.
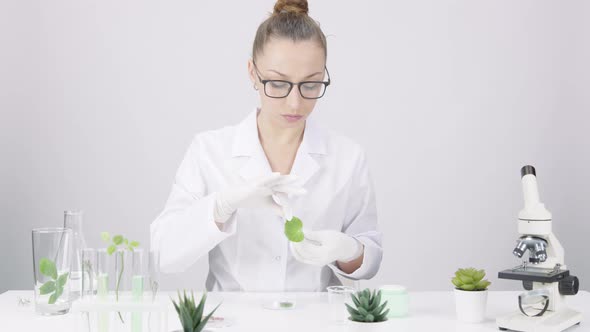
(533,274)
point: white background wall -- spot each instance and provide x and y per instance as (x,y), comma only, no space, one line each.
(99,101)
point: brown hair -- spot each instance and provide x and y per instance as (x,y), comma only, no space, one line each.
(289,20)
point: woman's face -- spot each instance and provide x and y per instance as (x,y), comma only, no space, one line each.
(284,59)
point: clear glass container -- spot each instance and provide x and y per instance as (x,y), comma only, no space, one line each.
(338,296)
(52,252)
(73,221)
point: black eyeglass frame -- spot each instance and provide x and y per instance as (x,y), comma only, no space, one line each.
(291,84)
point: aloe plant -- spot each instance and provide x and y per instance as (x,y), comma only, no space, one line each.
(368,307)
(470,279)
(191,316)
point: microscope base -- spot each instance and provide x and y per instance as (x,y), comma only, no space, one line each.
(551,321)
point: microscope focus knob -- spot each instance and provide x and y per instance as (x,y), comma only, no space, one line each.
(569,285)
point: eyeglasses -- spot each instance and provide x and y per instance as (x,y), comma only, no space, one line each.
(281,88)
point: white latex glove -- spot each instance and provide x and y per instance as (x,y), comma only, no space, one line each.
(335,246)
(255,194)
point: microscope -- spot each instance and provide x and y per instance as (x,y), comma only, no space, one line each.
(545,276)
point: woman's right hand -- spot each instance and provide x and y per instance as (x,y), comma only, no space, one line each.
(256,194)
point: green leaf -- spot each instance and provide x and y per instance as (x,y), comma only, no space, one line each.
(478,275)
(58,291)
(201,306)
(357,318)
(466,279)
(482,284)
(294,230)
(52,298)
(362,311)
(118,239)
(134,244)
(186,319)
(468,287)
(61,281)
(355,300)
(457,282)
(379,309)
(204,321)
(111,249)
(351,310)
(47,268)
(105,236)
(382,317)
(47,288)
(364,302)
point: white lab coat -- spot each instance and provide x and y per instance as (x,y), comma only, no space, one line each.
(252,253)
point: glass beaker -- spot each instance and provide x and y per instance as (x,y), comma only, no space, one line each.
(338,296)
(73,221)
(52,252)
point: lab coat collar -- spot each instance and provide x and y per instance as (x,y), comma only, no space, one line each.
(247,144)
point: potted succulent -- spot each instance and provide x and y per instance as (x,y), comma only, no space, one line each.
(368,307)
(471,294)
(191,316)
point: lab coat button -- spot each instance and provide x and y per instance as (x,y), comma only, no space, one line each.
(277,258)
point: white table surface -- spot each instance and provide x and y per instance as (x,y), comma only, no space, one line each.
(429,311)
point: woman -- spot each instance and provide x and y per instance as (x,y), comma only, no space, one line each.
(226,195)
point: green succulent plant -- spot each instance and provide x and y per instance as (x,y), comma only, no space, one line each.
(470,279)
(191,316)
(368,307)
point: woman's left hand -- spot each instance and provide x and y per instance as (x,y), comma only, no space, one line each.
(326,247)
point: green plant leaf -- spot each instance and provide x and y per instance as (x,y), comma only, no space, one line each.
(382,317)
(117,239)
(466,279)
(52,298)
(134,244)
(61,281)
(47,288)
(351,310)
(294,230)
(105,236)
(457,282)
(47,268)
(357,318)
(111,249)
(478,275)
(204,321)
(186,319)
(362,311)
(468,287)
(482,284)
(201,306)
(379,309)
(355,300)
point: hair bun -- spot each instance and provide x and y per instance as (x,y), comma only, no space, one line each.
(297,7)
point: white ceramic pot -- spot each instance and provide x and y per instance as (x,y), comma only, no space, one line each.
(471,305)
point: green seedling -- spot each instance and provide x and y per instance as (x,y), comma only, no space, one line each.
(294,230)
(55,287)
(114,243)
